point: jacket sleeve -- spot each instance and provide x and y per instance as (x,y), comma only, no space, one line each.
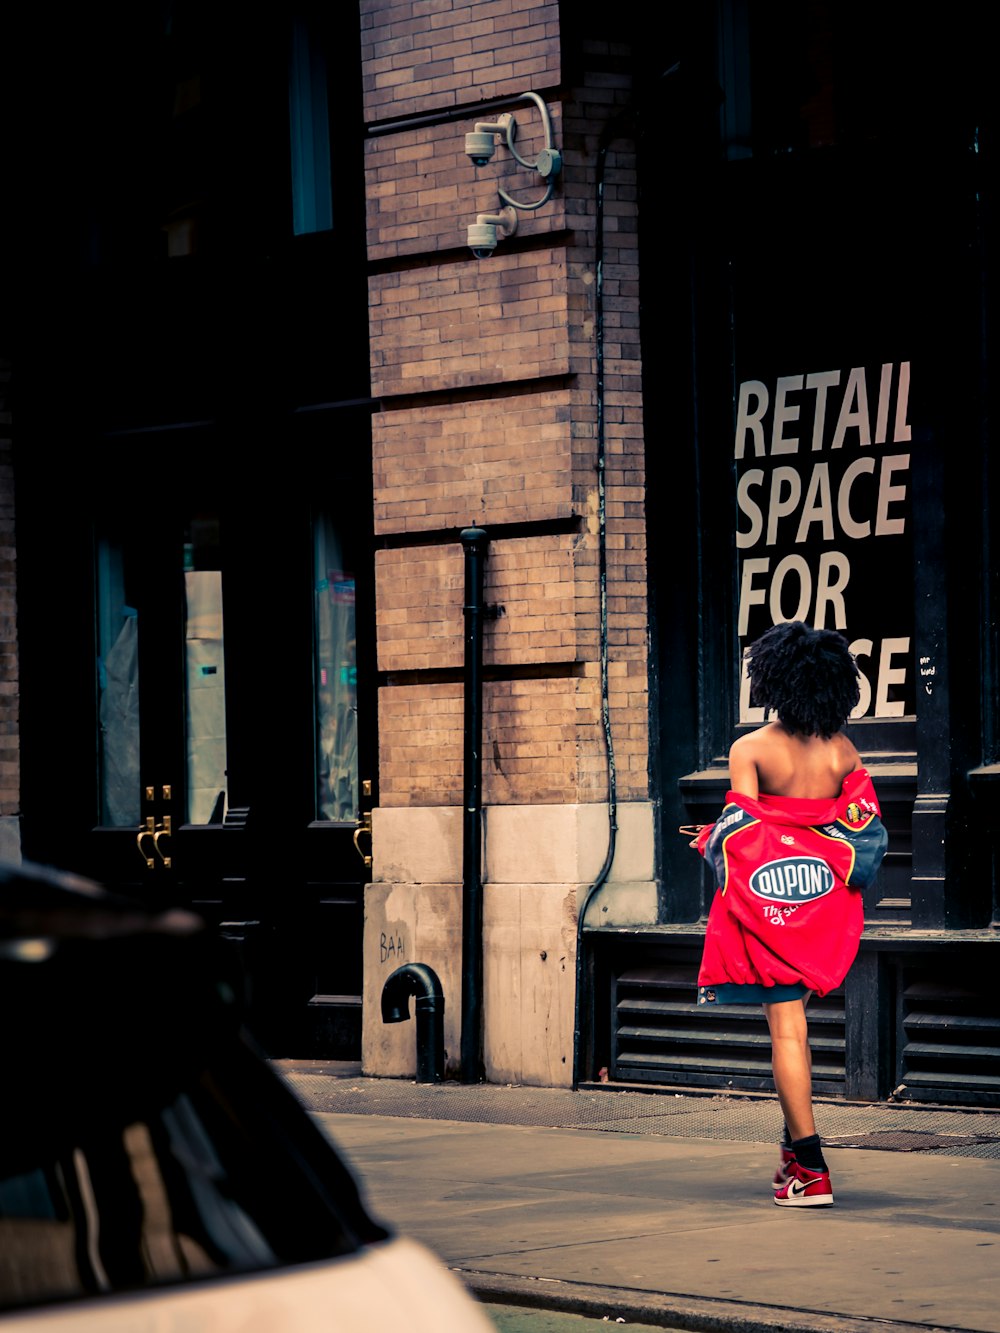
(713,838)
(858,822)
(870,844)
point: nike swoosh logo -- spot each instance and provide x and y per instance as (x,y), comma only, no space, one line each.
(798,1187)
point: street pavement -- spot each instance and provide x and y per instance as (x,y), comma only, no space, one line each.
(531,1319)
(656,1208)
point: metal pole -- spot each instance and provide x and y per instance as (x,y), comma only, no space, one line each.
(475,542)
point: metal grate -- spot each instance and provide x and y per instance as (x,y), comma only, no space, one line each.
(661,1035)
(948,1038)
(909,1140)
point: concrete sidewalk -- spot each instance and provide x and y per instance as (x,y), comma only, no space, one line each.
(657,1208)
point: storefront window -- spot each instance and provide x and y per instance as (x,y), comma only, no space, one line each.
(336,676)
(205,676)
(118,692)
(823,533)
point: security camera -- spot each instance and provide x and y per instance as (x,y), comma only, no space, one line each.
(482,239)
(482,235)
(480,147)
(481,144)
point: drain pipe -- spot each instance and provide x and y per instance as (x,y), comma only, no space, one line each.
(475,542)
(422,981)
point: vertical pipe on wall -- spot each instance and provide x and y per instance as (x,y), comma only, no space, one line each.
(602,547)
(475,541)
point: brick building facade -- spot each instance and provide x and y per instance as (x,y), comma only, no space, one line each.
(730,366)
(510,397)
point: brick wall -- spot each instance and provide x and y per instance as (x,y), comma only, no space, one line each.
(487,376)
(448,464)
(421,56)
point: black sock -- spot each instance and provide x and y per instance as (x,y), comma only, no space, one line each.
(809,1153)
(786,1138)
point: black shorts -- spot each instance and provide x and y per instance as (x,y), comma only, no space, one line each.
(736,993)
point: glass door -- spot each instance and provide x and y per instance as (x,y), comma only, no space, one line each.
(204,696)
(161,686)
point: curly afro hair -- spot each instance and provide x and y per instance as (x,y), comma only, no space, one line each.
(807,676)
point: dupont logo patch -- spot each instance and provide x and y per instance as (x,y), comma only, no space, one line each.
(797,879)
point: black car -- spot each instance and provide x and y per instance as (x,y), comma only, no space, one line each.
(155,1171)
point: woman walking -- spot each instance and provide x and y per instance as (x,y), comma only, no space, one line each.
(800,835)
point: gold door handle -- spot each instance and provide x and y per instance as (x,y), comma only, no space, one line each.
(162,832)
(364,826)
(146,831)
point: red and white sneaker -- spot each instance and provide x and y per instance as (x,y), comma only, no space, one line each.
(805,1189)
(784,1168)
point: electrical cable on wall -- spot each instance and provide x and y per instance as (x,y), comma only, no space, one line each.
(603,574)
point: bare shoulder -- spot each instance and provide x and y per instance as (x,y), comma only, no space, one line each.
(778,762)
(751,757)
(753,743)
(848,752)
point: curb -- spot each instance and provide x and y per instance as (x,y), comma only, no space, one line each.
(669,1311)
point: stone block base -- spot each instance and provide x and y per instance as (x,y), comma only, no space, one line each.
(539,865)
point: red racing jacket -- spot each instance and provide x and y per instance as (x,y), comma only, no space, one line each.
(787,906)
